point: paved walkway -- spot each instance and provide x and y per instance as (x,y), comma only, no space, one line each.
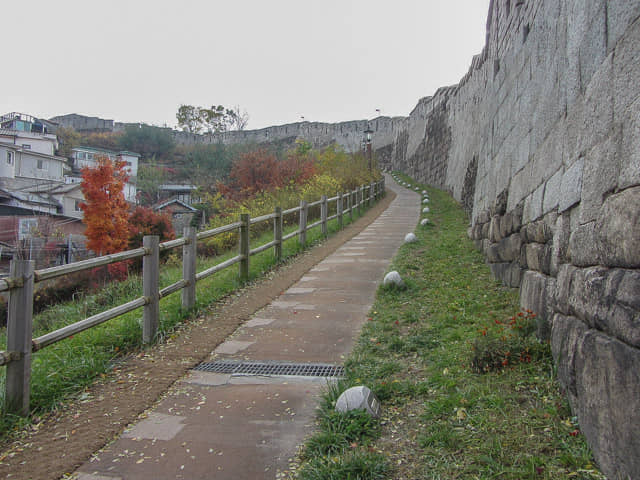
(224,426)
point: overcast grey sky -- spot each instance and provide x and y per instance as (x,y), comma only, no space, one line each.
(326,60)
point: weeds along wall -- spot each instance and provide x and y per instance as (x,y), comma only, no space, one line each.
(541,142)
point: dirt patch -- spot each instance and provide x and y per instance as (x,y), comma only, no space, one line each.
(65,439)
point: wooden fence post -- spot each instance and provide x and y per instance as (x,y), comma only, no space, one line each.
(189,252)
(324,213)
(339,209)
(277,234)
(19,331)
(371,194)
(150,282)
(244,247)
(350,200)
(302,232)
(361,203)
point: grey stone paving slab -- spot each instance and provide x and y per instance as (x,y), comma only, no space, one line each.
(232,346)
(157,426)
(258,322)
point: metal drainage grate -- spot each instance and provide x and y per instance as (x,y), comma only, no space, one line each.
(272,368)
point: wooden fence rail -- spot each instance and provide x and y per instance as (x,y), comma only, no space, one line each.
(20,284)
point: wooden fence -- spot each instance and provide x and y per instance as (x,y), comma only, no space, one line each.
(20,283)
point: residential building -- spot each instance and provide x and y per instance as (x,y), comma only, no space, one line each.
(182,214)
(88,157)
(183,192)
(27,153)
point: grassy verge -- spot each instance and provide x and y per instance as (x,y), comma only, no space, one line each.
(466,390)
(67,367)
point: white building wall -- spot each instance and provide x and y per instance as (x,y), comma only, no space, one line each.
(28,166)
(7,167)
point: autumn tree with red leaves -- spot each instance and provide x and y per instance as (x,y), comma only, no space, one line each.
(144,221)
(260,170)
(106,213)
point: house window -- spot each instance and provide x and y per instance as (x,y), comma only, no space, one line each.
(26,146)
(80,155)
(9,158)
(40,164)
(27,227)
(77,206)
(89,156)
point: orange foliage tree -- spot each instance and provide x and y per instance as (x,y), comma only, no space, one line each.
(106,213)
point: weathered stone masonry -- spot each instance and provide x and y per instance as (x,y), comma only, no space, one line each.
(544,134)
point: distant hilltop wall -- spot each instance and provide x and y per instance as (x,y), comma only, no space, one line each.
(347,134)
(540,141)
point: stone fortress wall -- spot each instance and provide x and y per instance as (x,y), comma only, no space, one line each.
(540,141)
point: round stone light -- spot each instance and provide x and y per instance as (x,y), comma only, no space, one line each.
(425,210)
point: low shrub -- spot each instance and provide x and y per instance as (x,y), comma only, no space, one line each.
(506,343)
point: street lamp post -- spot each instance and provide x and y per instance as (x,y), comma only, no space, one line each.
(367,135)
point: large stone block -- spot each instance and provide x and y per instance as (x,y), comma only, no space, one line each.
(628,291)
(598,105)
(520,187)
(620,16)
(566,334)
(506,250)
(583,245)
(600,176)
(538,257)
(508,273)
(607,374)
(571,186)
(618,230)
(552,192)
(626,68)
(549,157)
(560,244)
(537,293)
(630,147)
(533,205)
(600,296)
(516,217)
(494,229)
(564,283)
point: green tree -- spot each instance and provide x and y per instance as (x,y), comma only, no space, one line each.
(68,139)
(150,177)
(148,141)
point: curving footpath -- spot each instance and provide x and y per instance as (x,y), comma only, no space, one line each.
(216,425)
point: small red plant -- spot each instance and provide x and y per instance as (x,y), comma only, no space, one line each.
(504,343)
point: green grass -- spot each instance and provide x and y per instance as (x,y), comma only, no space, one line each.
(442,418)
(67,367)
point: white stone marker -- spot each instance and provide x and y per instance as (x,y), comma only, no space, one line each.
(425,210)
(426,200)
(410,238)
(355,398)
(424,221)
(393,278)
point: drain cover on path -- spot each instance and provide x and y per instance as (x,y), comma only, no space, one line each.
(272,368)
